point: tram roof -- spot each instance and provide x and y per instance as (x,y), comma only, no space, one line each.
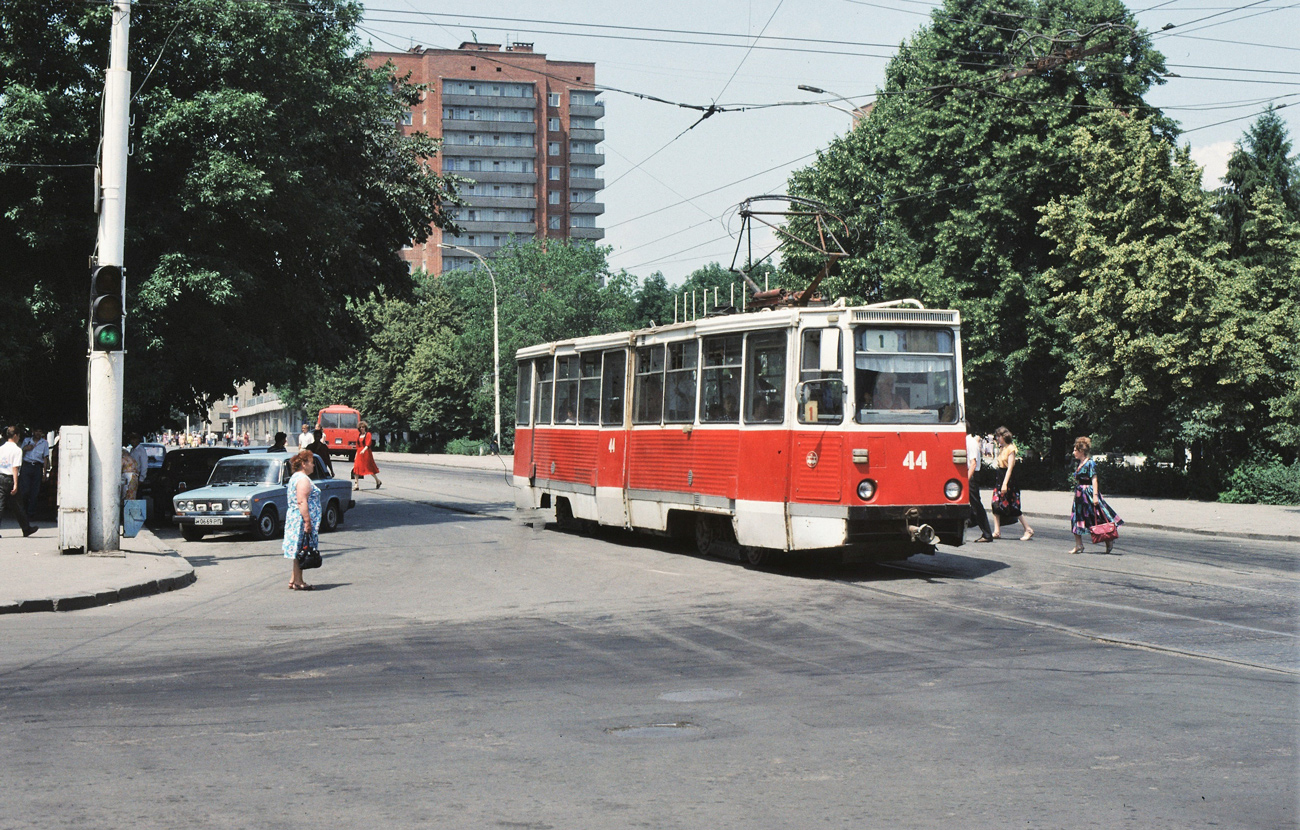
(748,321)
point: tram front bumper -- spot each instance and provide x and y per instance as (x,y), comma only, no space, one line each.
(889,523)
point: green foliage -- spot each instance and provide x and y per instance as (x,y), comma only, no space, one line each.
(268,195)
(1264,479)
(466,446)
(1260,162)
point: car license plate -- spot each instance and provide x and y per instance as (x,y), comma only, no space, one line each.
(208,520)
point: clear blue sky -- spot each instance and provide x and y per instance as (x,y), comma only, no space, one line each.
(1231,62)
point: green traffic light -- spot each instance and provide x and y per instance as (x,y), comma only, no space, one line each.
(108,338)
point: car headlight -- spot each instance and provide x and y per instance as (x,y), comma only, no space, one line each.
(952,489)
(866,489)
(202,507)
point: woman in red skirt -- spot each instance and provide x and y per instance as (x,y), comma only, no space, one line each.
(364,464)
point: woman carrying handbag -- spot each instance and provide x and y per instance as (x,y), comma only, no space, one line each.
(1006,496)
(1090,512)
(302,518)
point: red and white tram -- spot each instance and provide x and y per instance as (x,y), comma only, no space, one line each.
(789,429)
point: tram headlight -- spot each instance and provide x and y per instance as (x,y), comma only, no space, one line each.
(952,490)
(866,489)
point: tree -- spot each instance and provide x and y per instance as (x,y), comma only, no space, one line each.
(1160,345)
(942,182)
(548,290)
(268,192)
(1260,161)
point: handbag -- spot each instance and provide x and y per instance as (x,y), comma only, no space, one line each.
(307,557)
(1005,504)
(1104,532)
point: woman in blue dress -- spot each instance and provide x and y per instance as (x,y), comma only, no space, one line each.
(302,516)
(1089,507)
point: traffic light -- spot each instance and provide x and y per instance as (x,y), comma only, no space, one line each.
(107,306)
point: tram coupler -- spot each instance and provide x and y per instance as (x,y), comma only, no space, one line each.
(918,532)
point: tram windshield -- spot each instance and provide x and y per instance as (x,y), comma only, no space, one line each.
(904,376)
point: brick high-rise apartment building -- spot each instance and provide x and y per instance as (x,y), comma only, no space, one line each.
(524,129)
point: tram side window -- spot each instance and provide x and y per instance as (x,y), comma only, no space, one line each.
(648,387)
(612,387)
(765,378)
(566,389)
(545,372)
(821,377)
(679,389)
(720,380)
(522,390)
(589,389)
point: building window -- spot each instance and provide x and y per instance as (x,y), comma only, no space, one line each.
(553,148)
(553,173)
(553,197)
(582,147)
(407,119)
(553,223)
(582,221)
(553,99)
(553,124)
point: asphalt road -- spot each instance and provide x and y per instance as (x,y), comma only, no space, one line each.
(461,666)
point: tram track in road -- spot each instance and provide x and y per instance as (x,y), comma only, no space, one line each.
(1084,606)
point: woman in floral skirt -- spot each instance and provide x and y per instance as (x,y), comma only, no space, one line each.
(1089,509)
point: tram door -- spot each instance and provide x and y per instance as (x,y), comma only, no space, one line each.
(611,449)
(817,458)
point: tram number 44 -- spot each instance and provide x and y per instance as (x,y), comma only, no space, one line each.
(912,461)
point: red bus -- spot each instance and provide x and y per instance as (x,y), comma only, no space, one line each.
(341,427)
(792,429)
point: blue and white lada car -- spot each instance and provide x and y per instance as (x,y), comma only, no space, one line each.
(247,492)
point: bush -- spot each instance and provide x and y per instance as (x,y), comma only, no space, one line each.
(1265,480)
(466,446)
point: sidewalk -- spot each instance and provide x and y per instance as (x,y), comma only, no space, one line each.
(1243,521)
(37,577)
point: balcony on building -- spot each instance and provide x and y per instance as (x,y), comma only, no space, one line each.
(584,134)
(587,233)
(526,202)
(489,151)
(587,110)
(587,207)
(589,159)
(498,177)
(499,101)
(517,229)
(464,126)
(585,183)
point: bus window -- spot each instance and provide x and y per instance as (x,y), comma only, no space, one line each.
(613,384)
(648,388)
(522,390)
(566,389)
(589,389)
(821,377)
(765,378)
(905,375)
(720,380)
(679,387)
(542,400)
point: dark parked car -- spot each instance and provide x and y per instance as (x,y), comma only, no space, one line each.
(182,469)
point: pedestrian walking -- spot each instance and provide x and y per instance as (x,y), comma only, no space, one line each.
(11,465)
(1006,496)
(36,454)
(1089,508)
(322,450)
(302,519)
(304,437)
(974,461)
(364,464)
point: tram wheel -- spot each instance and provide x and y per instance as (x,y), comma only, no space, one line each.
(757,557)
(706,534)
(564,515)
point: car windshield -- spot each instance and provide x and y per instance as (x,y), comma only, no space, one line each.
(905,376)
(338,420)
(245,471)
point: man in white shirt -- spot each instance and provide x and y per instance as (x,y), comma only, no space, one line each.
(304,437)
(140,455)
(11,464)
(973,463)
(36,452)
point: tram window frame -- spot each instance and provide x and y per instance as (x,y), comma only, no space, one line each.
(816,381)
(680,378)
(648,385)
(523,394)
(566,389)
(724,358)
(760,346)
(589,388)
(613,388)
(896,347)
(543,379)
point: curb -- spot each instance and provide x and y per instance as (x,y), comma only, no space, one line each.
(78,602)
(1258,537)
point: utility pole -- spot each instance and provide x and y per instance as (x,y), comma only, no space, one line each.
(106,366)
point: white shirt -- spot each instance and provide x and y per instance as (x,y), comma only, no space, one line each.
(141,457)
(304,438)
(37,452)
(973,450)
(10,456)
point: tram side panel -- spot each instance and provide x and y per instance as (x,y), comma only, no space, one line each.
(525,496)
(565,460)
(762,463)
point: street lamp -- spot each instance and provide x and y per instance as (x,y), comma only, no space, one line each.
(854,113)
(496,342)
